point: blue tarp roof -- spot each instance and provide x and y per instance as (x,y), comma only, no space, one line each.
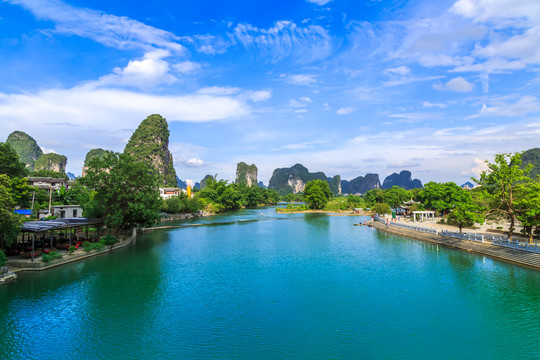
(23,212)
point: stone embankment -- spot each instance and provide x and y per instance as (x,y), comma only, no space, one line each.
(520,257)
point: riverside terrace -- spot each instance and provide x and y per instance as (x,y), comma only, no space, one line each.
(43,236)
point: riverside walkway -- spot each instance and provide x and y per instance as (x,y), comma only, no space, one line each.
(512,255)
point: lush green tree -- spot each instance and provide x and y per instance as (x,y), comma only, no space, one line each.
(374,196)
(126,192)
(317,193)
(9,221)
(501,179)
(527,207)
(21,192)
(354,201)
(465,215)
(381,209)
(63,196)
(396,196)
(443,196)
(49,173)
(10,163)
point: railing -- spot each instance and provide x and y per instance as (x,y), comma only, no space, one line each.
(405,226)
(517,245)
(535,248)
(463,236)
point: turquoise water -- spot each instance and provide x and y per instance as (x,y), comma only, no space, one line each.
(246,286)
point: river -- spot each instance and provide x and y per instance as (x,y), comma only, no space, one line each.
(277,286)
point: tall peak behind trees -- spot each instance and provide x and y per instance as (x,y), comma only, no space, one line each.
(150,144)
(246,174)
(26,147)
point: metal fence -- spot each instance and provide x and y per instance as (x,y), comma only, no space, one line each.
(464,236)
(517,245)
(482,238)
(405,226)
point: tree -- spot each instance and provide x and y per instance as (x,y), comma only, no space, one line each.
(10,163)
(502,179)
(443,196)
(317,193)
(465,215)
(527,207)
(9,221)
(381,209)
(396,196)
(126,193)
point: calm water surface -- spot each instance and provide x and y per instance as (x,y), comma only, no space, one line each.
(244,286)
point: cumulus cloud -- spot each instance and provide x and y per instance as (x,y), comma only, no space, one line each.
(149,72)
(458,84)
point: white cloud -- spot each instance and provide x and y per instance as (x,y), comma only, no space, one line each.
(345,110)
(319,2)
(107,109)
(187,67)
(498,107)
(301,102)
(109,30)
(219,91)
(301,79)
(400,70)
(194,162)
(149,72)
(428,104)
(285,39)
(458,84)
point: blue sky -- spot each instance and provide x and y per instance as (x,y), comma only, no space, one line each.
(344,87)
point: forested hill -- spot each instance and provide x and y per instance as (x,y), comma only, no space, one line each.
(150,144)
(26,147)
(532,156)
(293,179)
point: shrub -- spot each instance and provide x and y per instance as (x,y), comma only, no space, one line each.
(46,257)
(3,259)
(109,240)
(88,246)
(72,249)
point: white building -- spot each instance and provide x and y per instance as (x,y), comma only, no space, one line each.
(67,211)
(167,193)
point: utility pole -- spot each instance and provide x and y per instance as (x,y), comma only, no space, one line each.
(50,198)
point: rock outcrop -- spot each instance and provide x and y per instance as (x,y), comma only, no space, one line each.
(150,145)
(403,180)
(51,161)
(246,174)
(293,179)
(361,184)
(26,147)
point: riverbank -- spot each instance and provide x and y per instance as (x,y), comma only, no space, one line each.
(17,265)
(519,257)
(173,217)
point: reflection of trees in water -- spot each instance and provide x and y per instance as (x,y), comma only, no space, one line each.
(320,221)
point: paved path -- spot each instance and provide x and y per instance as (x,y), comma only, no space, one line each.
(524,258)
